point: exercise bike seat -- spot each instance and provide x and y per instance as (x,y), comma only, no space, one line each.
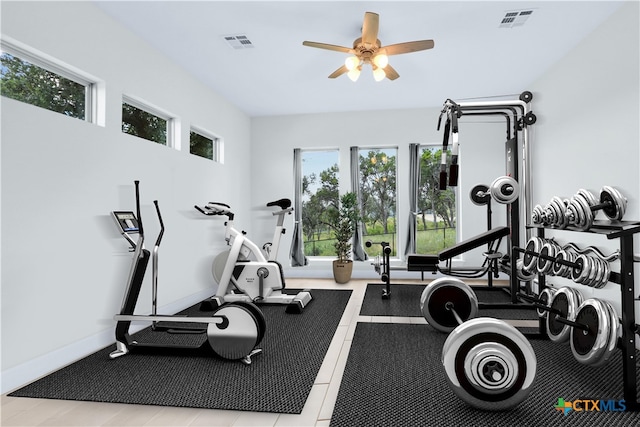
(281,203)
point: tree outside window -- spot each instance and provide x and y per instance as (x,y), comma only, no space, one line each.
(26,82)
(436,217)
(378,195)
(143,124)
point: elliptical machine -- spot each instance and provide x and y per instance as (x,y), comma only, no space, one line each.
(232,331)
(243,273)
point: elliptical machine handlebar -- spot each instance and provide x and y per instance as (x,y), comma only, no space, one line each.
(155,202)
(140,229)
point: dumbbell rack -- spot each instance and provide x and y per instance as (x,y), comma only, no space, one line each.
(624,231)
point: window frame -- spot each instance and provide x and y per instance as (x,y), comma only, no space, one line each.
(217,142)
(53,65)
(304,151)
(396,246)
(173,123)
(456,192)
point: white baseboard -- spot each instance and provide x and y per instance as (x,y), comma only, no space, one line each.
(39,367)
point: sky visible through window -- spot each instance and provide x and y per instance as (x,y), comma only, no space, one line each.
(314,162)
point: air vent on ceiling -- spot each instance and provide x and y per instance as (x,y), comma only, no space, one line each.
(515,18)
(239,41)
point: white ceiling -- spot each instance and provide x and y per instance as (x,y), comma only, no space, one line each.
(473,57)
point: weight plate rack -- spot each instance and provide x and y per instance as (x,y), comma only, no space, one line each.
(624,232)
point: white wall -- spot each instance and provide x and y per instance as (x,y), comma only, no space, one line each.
(64,263)
(61,285)
(588,125)
(274,138)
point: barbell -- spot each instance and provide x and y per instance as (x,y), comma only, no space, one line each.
(489,364)
(547,257)
(591,326)
(504,190)
(579,211)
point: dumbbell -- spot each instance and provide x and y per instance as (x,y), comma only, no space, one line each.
(595,339)
(579,211)
(544,297)
(540,255)
(503,190)
(554,213)
(592,326)
(583,206)
(549,258)
(489,364)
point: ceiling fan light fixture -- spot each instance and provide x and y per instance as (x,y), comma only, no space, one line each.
(381,60)
(352,62)
(354,74)
(379,74)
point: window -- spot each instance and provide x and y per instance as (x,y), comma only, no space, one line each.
(320,193)
(436,218)
(27,78)
(145,121)
(202,145)
(378,196)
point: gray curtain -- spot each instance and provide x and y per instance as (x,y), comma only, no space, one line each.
(414,176)
(298,259)
(358,250)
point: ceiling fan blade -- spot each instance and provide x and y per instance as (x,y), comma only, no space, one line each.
(390,72)
(340,71)
(328,46)
(407,47)
(370,28)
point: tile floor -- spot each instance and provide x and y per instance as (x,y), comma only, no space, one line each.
(316,412)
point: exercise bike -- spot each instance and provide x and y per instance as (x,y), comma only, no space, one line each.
(232,331)
(243,273)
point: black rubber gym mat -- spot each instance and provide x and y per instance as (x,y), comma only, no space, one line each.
(405,302)
(394,377)
(279,380)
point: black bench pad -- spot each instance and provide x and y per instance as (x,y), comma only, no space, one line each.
(430,262)
(474,242)
(422,263)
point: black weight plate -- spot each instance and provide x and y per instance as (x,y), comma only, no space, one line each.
(590,347)
(544,298)
(529,260)
(583,341)
(577,270)
(612,210)
(439,294)
(480,195)
(560,305)
(457,297)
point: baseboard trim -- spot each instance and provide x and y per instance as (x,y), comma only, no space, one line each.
(31,370)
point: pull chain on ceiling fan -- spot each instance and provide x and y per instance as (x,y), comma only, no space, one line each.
(368,50)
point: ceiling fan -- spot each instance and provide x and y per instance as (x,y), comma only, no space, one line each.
(368,50)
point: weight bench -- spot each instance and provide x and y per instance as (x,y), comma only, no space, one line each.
(430,263)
